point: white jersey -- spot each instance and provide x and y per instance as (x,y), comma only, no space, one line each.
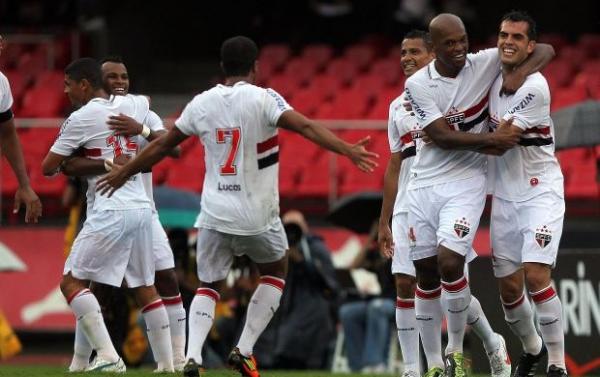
(86,128)
(403,132)
(155,124)
(530,168)
(237,126)
(6,98)
(463,102)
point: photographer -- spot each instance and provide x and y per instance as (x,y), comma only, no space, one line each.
(305,327)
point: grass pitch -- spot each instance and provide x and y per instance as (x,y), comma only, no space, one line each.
(54,371)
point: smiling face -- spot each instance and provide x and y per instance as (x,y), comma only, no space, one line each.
(513,43)
(452,49)
(115,78)
(414,55)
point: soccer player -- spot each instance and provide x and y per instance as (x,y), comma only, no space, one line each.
(11,149)
(116,81)
(114,243)
(447,189)
(237,123)
(404,134)
(528,206)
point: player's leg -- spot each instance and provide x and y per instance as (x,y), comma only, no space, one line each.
(168,289)
(459,216)
(89,317)
(268,251)
(140,276)
(507,246)
(406,283)
(543,216)
(214,257)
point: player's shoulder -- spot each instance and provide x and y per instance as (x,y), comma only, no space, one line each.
(3,79)
(537,80)
(483,54)
(421,77)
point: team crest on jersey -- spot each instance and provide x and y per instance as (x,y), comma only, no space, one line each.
(462,227)
(543,236)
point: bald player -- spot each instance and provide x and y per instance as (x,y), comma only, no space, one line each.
(447,190)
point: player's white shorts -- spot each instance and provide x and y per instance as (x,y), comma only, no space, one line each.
(446,214)
(401,262)
(215,250)
(527,231)
(163,255)
(112,246)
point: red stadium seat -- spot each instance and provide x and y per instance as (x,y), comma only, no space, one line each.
(369,84)
(18,84)
(50,79)
(560,72)
(301,69)
(389,70)
(591,66)
(348,104)
(307,101)
(557,41)
(187,175)
(327,85)
(315,177)
(580,178)
(344,69)
(591,43)
(563,97)
(284,85)
(276,54)
(574,55)
(319,54)
(361,55)
(42,102)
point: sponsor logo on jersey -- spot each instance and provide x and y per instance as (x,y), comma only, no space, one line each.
(228,187)
(462,227)
(280,101)
(415,107)
(523,104)
(543,236)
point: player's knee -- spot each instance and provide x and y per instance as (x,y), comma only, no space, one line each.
(69,285)
(510,290)
(405,286)
(451,266)
(166,283)
(537,276)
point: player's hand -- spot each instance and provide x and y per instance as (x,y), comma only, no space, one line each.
(123,125)
(407,105)
(112,181)
(511,82)
(506,136)
(361,157)
(385,241)
(33,205)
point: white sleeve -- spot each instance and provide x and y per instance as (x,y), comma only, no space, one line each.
(6,99)
(527,108)
(154,122)
(423,104)
(191,119)
(488,58)
(70,137)
(393,133)
(274,106)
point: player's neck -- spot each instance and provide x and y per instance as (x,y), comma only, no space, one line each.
(446,71)
(232,80)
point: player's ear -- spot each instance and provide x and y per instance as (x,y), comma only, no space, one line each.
(530,46)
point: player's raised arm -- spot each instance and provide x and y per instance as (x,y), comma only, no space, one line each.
(315,132)
(153,153)
(536,61)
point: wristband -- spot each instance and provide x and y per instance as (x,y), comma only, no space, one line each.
(145,131)
(107,166)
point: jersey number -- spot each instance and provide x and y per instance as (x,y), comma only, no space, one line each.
(121,144)
(231,135)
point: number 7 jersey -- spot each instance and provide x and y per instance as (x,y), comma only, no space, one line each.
(238,127)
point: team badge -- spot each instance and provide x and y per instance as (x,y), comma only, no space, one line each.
(462,227)
(543,236)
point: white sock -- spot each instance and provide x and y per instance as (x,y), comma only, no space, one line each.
(479,323)
(549,310)
(456,298)
(82,350)
(428,310)
(159,335)
(519,316)
(263,304)
(201,317)
(177,319)
(89,316)
(408,334)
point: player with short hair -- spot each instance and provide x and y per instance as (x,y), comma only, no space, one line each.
(447,189)
(114,243)
(528,206)
(116,82)
(404,134)
(11,149)
(237,123)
